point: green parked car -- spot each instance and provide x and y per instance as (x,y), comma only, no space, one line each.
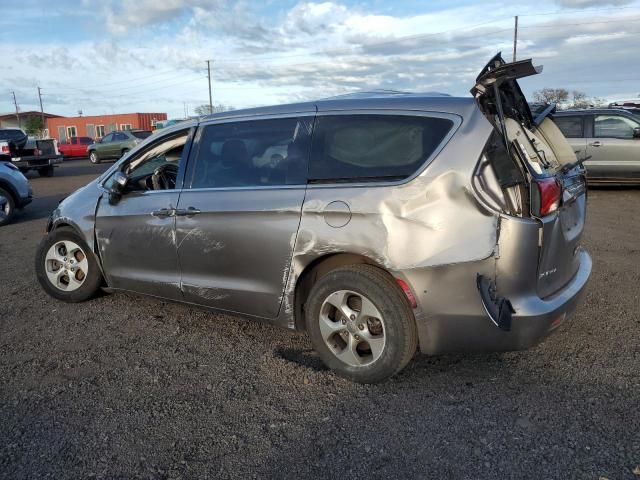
(115,144)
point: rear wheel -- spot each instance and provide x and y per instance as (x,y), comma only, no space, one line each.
(46,171)
(65,266)
(361,324)
(93,157)
(7,207)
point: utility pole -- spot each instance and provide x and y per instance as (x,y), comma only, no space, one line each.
(41,111)
(15,102)
(515,39)
(209,76)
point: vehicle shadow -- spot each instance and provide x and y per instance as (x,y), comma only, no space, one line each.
(70,170)
(40,207)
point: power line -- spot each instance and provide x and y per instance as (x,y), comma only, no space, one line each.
(127,88)
(582,11)
(132,89)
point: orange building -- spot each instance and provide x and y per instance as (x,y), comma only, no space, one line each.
(97,126)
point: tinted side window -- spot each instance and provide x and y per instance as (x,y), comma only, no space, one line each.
(85,141)
(571,127)
(253,153)
(370,147)
(613,126)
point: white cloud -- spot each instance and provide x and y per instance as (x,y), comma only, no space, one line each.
(591,3)
(309,51)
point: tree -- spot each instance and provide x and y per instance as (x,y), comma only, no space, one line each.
(580,100)
(33,126)
(204,109)
(560,96)
(551,95)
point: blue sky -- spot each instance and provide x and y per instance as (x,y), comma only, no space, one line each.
(103,56)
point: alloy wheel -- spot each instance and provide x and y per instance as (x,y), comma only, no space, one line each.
(352,328)
(66,265)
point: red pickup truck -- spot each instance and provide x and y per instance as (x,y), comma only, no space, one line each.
(75,146)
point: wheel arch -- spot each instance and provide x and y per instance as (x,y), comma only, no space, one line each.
(10,189)
(315,270)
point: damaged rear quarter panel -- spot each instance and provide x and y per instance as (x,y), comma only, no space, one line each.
(432,220)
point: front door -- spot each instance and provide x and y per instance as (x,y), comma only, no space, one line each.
(136,235)
(615,153)
(239,213)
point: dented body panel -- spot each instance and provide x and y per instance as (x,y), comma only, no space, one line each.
(409,226)
(235,254)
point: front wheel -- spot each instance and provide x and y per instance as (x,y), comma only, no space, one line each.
(361,324)
(65,266)
(94,158)
(7,207)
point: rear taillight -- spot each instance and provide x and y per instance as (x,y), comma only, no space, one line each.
(547,200)
(6,150)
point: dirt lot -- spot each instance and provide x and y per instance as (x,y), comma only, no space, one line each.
(131,387)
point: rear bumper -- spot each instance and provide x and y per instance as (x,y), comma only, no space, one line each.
(35,161)
(535,319)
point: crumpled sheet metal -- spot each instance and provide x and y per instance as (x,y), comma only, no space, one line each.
(430,221)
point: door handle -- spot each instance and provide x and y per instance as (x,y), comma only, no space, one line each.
(164,212)
(188,212)
(595,144)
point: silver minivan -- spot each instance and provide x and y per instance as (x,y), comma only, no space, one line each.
(378,224)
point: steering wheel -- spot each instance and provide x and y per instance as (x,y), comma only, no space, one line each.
(164,177)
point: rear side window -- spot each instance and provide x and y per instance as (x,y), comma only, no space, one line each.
(348,148)
(253,153)
(571,127)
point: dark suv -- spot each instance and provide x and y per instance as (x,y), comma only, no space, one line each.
(608,139)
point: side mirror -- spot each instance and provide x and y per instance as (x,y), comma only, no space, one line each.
(117,187)
(636,132)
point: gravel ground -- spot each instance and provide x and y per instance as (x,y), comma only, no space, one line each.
(132,387)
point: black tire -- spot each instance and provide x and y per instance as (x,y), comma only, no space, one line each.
(380,288)
(8,208)
(46,171)
(93,157)
(93,279)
